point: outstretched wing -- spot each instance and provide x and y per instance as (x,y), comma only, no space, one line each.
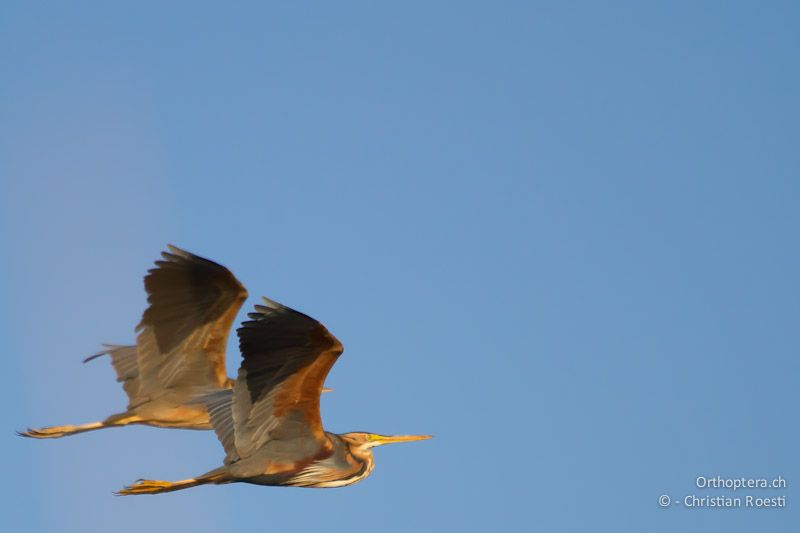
(275,404)
(182,335)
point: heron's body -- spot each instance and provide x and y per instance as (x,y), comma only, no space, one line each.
(268,418)
(348,461)
(269,424)
(179,354)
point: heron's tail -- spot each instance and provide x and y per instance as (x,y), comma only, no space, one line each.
(151,486)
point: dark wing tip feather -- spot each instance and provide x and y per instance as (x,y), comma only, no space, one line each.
(271,308)
(178,251)
(200,269)
(272,304)
(278,341)
(186,291)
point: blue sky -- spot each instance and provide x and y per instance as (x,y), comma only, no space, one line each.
(560,236)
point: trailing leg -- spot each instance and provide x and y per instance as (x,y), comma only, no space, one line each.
(152,486)
(55,432)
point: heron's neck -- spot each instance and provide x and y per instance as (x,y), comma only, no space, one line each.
(363,455)
(347,465)
(365,458)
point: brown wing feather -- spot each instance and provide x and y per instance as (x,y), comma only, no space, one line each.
(286,358)
(182,335)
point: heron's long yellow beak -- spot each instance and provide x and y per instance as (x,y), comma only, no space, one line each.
(380,440)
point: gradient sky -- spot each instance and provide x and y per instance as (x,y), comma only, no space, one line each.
(560,236)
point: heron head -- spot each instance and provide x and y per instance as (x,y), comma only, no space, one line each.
(366,441)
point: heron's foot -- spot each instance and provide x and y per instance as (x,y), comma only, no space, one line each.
(154,486)
(52,432)
(145,486)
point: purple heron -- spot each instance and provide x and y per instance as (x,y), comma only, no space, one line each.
(269,423)
(179,354)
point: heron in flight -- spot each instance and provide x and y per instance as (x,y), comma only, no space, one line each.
(179,354)
(269,423)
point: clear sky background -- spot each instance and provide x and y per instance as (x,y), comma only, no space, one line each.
(560,236)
